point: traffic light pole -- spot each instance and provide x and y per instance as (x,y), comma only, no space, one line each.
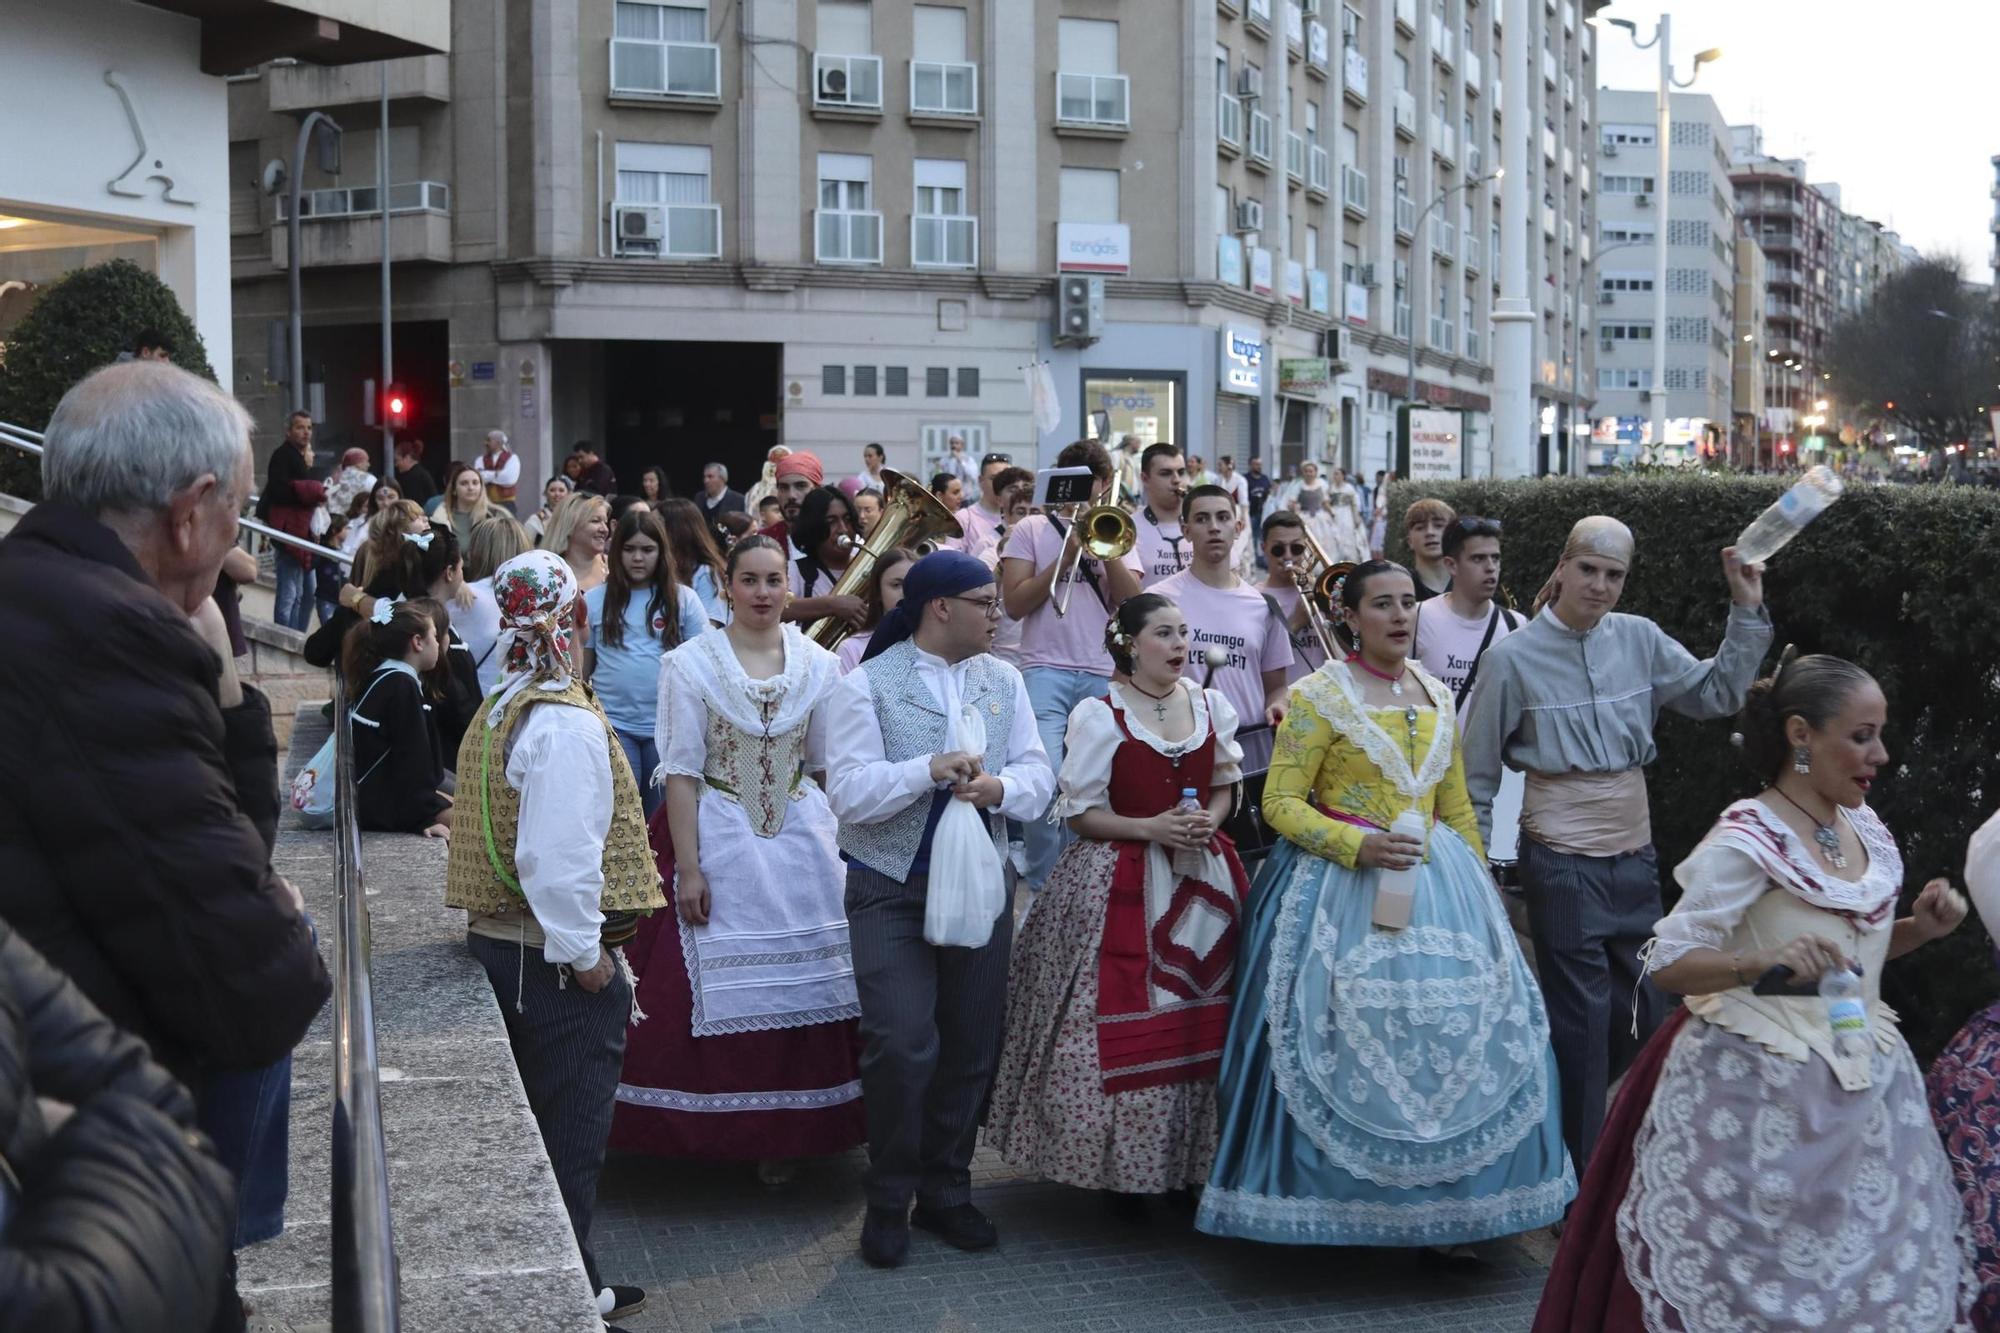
(382,191)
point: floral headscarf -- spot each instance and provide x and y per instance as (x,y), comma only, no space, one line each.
(537,594)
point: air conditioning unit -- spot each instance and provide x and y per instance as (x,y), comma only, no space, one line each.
(1643,200)
(1249,215)
(1609,149)
(1606,298)
(1333,345)
(833,84)
(1645,395)
(639,228)
(1367,276)
(1246,83)
(1607,344)
(1402,167)
(1079,309)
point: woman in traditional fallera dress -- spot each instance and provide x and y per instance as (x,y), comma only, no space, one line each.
(1118,1001)
(1381,1086)
(1752,1174)
(749,1049)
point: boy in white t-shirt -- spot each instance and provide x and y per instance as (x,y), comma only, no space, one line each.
(1062,658)
(1454,631)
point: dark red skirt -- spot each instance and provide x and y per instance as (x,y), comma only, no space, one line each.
(1587,1291)
(752,1096)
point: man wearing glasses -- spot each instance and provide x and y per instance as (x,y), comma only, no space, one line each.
(1286,555)
(931,1017)
(982,520)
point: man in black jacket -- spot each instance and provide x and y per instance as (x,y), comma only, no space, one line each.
(126,857)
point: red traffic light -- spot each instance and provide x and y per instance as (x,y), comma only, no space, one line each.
(396,407)
(396,404)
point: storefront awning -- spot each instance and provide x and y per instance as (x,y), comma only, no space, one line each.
(237,35)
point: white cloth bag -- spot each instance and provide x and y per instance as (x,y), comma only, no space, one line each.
(967,886)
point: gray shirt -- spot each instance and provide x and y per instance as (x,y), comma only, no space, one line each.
(1551,700)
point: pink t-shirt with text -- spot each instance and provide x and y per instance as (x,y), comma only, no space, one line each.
(1239,621)
(1073,642)
(1307,655)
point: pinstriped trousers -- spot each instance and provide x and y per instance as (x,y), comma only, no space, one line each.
(569,1046)
(931,1024)
(1589,916)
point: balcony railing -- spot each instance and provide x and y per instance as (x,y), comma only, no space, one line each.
(1548,145)
(1569,91)
(1475,74)
(1319,170)
(1475,162)
(1102,101)
(1295,27)
(1295,157)
(1354,190)
(1319,46)
(1474,254)
(1356,66)
(688,71)
(938,241)
(1444,240)
(1444,140)
(847,82)
(943,88)
(1406,16)
(1406,215)
(1444,45)
(1569,161)
(1229,121)
(1259,14)
(1260,137)
(366,201)
(1548,67)
(667,231)
(1406,113)
(846,236)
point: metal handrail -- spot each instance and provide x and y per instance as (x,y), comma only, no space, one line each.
(366,1274)
(31,441)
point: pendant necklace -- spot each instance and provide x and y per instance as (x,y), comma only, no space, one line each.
(1395,681)
(1159,700)
(1825,835)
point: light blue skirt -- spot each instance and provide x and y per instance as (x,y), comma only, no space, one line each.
(1385,1087)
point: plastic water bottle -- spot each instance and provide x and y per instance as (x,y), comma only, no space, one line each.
(1846,1013)
(1396,890)
(1189,860)
(1770,530)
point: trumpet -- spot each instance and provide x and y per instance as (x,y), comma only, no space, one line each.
(1316,591)
(1105,531)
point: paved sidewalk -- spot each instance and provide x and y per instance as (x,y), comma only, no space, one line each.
(716,1250)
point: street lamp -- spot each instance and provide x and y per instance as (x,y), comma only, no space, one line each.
(1417,270)
(329,162)
(1663,186)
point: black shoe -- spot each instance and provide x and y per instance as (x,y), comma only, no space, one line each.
(885,1237)
(624,1301)
(960,1226)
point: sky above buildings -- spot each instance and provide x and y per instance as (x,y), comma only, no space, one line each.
(1892,102)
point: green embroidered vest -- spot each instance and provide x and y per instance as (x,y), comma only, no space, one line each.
(481,877)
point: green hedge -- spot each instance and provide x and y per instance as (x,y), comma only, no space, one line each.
(80,323)
(1900,579)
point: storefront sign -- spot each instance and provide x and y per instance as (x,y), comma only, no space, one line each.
(1229,260)
(1093,247)
(1260,271)
(1295,282)
(1241,360)
(1435,450)
(482,371)
(1305,377)
(1319,297)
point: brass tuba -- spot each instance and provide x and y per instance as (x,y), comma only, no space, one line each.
(911,516)
(1104,532)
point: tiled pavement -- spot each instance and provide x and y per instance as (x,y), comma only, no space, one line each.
(718,1251)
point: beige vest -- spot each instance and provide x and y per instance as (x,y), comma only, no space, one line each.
(481,876)
(1796,1027)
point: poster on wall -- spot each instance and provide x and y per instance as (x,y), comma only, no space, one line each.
(1147,408)
(1434,444)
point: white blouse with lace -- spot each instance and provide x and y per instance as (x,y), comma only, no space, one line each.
(1093,738)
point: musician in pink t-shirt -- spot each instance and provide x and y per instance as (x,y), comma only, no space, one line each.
(1062,657)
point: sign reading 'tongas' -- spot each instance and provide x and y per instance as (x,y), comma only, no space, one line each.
(1093,247)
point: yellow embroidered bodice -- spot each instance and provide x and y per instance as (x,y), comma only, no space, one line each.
(1372,763)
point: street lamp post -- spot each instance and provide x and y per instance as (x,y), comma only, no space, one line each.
(1663,187)
(1416,307)
(329,161)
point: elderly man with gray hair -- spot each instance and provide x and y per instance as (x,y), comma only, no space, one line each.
(126,857)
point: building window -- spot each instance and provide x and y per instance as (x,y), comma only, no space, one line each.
(1627,332)
(663,48)
(968,381)
(1626,231)
(1312,248)
(896,381)
(833,379)
(1627,136)
(661,201)
(943,233)
(844,27)
(846,229)
(937,382)
(1625,282)
(941,82)
(1624,377)
(864,381)
(1628,185)
(1088,194)
(1089,88)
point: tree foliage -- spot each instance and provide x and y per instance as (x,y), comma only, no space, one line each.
(1891,577)
(1925,344)
(82,322)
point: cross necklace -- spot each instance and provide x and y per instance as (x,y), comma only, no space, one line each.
(1159,700)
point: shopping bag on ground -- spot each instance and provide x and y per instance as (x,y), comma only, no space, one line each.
(967,887)
(312,788)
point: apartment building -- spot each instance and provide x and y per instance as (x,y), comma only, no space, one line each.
(1993,260)
(1793,223)
(1692,213)
(1747,355)
(688,229)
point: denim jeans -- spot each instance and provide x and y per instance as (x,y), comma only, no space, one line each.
(248,1113)
(292,606)
(644,756)
(1053,692)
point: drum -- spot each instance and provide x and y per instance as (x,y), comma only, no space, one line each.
(1253,837)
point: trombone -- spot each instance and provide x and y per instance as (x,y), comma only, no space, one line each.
(1316,591)
(1104,531)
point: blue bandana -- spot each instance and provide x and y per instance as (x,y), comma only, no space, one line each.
(939,574)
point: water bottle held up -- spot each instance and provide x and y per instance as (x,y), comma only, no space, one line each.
(1396,890)
(1846,1012)
(1770,530)
(1188,860)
